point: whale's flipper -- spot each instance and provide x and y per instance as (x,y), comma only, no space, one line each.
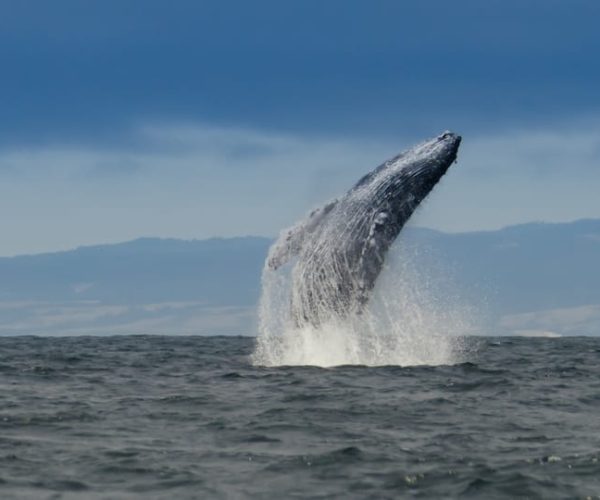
(377,241)
(289,246)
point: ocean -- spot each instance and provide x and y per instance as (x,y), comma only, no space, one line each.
(139,417)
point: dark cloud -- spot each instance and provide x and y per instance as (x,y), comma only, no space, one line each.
(89,71)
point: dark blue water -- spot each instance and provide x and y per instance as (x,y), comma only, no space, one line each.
(189,417)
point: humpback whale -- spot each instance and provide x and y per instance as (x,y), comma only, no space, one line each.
(339,249)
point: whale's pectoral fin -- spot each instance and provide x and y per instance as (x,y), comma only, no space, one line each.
(374,250)
(378,238)
(291,245)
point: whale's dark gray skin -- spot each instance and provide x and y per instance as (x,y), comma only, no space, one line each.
(341,247)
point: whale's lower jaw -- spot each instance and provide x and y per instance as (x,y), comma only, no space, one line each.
(342,247)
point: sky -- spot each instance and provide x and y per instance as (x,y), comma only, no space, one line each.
(194,119)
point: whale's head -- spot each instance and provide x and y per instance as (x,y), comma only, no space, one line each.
(428,161)
(412,174)
(402,183)
(417,169)
(445,147)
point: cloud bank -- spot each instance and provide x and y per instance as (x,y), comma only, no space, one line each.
(197,180)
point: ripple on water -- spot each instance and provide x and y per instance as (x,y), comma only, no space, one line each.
(488,427)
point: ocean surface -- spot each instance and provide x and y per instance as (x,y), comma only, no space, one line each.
(190,417)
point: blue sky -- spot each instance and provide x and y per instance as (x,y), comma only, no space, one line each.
(216,118)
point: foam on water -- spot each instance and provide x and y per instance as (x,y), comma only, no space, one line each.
(414,317)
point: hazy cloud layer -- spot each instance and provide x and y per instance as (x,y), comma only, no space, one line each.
(200,181)
(582,320)
(94,318)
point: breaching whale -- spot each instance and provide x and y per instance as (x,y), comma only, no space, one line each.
(338,250)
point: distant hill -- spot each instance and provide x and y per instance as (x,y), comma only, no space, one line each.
(215,271)
(173,286)
(527,267)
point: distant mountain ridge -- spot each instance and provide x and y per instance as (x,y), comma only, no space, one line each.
(218,271)
(529,266)
(524,268)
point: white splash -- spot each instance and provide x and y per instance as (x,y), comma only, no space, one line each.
(415,317)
